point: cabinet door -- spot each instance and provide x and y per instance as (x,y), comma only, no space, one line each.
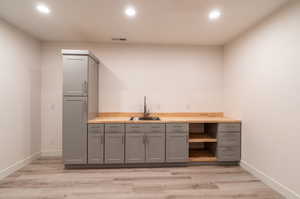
(229,139)
(135,147)
(155,147)
(114,148)
(177,147)
(75,75)
(93,88)
(95,144)
(229,153)
(75,130)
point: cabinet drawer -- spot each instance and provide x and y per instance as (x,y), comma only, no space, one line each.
(229,127)
(176,127)
(229,139)
(96,125)
(114,128)
(96,128)
(229,153)
(135,128)
(156,128)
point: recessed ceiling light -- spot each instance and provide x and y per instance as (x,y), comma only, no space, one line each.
(130,11)
(43,9)
(214,14)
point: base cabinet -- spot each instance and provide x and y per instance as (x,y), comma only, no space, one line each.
(74,130)
(155,147)
(114,143)
(177,144)
(135,148)
(96,144)
(229,142)
(145,143)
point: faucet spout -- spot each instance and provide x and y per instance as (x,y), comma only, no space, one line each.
(145,107)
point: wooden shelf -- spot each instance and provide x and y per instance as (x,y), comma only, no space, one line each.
(201,138)
(199,155)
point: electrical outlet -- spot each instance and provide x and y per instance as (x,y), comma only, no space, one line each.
(158,107)
(188,107)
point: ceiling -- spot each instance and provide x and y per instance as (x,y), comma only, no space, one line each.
(157,21)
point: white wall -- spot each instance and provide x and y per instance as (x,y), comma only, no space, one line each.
(20,102)
(262,85)
(175,79)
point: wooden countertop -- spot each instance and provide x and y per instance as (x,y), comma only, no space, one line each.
(101,120)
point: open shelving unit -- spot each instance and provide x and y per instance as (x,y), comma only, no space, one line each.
(194,138)
(202,142)
(202,156)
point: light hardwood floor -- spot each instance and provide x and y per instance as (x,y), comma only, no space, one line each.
(46,179)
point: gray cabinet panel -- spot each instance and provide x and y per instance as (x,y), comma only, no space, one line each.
(177,127)
(135,128)
(229,142)
(229,153)
(177,147)
(177,142)
(155,146)
(114,148)
(75,130)
(156,128)
(75,75)
(231,127)
(92,88)
(135,147)
(95,144)
(229,139)
(114,128)
(145,143)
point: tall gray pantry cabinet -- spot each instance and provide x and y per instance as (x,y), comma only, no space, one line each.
(80,103)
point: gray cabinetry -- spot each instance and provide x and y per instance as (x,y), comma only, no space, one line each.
(229,153)
(95,143)
(114,143)
(135,147)
(75,130)
(155,147)
(177,142)
(229,127)
(80,81)
(229,142)
(229,139)
(135,143)
(75,75)
(145,143)
(155,143)
(92,88)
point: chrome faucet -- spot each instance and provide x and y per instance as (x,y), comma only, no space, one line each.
(146,113)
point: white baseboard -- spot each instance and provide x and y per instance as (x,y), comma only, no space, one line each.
(280,188)
(18,165)
(51,153)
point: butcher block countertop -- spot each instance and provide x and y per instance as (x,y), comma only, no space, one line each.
(164,118)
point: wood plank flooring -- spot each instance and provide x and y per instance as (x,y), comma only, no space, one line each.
(46,179)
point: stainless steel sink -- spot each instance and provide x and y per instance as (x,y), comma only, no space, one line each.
(144,118)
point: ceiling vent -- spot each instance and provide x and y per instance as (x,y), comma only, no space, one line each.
(119,39)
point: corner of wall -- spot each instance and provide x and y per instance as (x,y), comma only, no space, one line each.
(18,165)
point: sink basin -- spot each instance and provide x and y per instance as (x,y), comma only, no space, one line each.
(144,118)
